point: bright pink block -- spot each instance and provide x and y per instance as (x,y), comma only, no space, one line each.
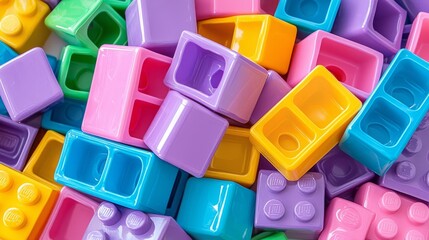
(206,9)
(418,40)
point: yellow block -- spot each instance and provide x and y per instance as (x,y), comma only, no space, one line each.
(263,39)
(235,159)
(306,124)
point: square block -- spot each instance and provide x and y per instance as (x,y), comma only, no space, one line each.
(137,74)
(418,40)
(263,39)
(28,75)
(120,174)
(116,222)
(216,77)
(270,236)
(207,9)
(389,117)
(396,216)
(66,115)
(414,7)
(6,53)
(297,207)
(357,67)
(217,209)
(377,24)
(90,24)
(159,32)
(70,217)
(25,206)
(306,124)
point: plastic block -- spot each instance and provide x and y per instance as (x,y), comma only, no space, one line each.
(388,119)
(119,5)
(217,209)
(263,39)
(206,9)
(377,24)
(28,75)
(235,159)
(147,28)
(216,77)
(52,62)
(270,236)
(76,71)
(342,173)
(25,205)
(87,23)
(306,124)
(345,220)
(414,7)
(397,217)
(264,164)
(6,53)
(3,110)
(15,142)
(52,3)
(418,40)
(357,67)
(66,115)
(120,174)
(137,74)
(70,217)
(117,223)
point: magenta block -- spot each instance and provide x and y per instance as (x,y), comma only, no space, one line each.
(418,39)
(185,134)
(357,67)
(297,207)
(28,85)
(206,9)
(216,77)
(126,92)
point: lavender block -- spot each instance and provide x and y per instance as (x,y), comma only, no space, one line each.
(216,77)
(28,84)
(52,3)
(414,7)
(296,207)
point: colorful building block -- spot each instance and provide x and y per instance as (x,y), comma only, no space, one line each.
(3,110)
(52,3)
(236,159)
(388,119)
(207,9)
(306,124)
(53,63)
(397,217)
(357,67)
(414,7)
(270,236)
(119,5)
(418,40)
(25,206)
(70,217)
(217,209)
(120,174)
(117,223)
(137,74)
(377,24)
(66,115)
(263,39)
(159,32)
(28,75)
(6,53)
(89,24)
(185,134)
(216,77)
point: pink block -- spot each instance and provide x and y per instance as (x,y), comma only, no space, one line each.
(70,216)
(126,92)
(206,9)
(418,40)
(356,66)
(345,220)
(397,217)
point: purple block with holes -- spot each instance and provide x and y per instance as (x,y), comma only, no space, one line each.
(377,24)
(297,207)
(216,77)
(52,3)
(115,223)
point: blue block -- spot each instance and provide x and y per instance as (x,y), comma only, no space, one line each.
(389,117)
(121,174)
(217,209)
(64,116)
(3,110)
(53,62)
(6,53)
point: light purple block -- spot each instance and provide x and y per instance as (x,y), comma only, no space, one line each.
(116,223)
(185,134)
(52,3)
(414,7)
(157,24)
(296,207)
(28,84)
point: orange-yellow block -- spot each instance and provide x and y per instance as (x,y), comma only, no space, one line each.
(263,39)
(306,124)
(236,159)
(25,205)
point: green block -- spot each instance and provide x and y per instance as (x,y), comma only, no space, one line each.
(119,5)
(87,23)
(270,236)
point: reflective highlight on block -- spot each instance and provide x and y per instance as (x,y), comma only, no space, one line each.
(206,9)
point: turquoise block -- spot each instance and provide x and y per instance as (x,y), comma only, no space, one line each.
(64,116)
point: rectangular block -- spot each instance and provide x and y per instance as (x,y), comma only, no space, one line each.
(207,9)
(418,39)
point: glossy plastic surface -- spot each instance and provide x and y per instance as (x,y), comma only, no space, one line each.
(270,236)
(6,53)
(418,40)
(414,7)
(119,5)
(207,9)
(65,115)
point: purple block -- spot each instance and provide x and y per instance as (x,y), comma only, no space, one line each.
(185,134)
(157,24)
(28,85)
(52,3)
(264,164)
(410,173)
(15,142)
(116,223)
(377,24)
(216,77)
(414,7)
(297,207)
(342,173)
